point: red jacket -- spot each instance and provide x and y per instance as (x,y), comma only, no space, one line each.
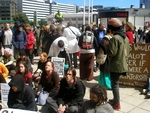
(30,40)
(129,34)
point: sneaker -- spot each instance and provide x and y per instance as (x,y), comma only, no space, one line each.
(111,101)
(148,94)
(116,107)
(144,91)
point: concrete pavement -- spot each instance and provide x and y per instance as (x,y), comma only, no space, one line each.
(131,100)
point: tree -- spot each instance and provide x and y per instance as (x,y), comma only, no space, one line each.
(42,22)
(22,17)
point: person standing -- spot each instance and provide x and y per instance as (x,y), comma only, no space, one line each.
(87,53)
(118,51)
(30,43)
(19,40)
(129,32)
(7,37)
(71,33)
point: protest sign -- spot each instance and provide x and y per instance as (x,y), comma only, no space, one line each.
(9,110)
(4,92)
(59,65)
(138,65)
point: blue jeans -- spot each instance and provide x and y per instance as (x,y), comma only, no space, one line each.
(115,87)
(148,84)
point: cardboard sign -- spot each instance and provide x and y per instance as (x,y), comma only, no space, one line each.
(59,65)
(138,65)
(9,110)
(4,92)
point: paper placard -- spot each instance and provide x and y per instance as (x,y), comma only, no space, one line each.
(4,92)
(59,65)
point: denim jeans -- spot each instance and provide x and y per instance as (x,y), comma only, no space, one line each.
(115,87)
(148,84)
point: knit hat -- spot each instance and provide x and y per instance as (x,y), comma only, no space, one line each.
(22,53)
(9,51)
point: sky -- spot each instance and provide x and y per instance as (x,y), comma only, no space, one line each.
(105,3)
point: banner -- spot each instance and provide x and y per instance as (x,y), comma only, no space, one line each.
(138,65)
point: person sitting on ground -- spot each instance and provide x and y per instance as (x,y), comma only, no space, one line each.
(40,68)
(4,71)
(49,81)
(58,16)
(70,95)
(20,96)
(98,101)
(22,69)
(8,59)
(25,58)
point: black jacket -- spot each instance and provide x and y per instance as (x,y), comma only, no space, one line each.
(24,99)
(73,95)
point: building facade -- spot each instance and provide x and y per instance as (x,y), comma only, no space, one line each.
(30,6)
(146,3)
(43,8)
(8,8)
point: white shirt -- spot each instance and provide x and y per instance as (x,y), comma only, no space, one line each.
(71,37)
(8,37)
(55,49)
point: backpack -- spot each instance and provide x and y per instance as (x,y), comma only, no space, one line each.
(88,40)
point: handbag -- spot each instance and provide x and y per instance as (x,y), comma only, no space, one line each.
(42,98)
(101,57)
(104,80)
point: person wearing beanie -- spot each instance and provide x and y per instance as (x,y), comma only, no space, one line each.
(19,39)
(118,50)
(8,59)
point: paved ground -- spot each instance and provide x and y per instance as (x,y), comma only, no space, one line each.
(131,100)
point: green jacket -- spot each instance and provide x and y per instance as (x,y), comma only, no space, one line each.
(118,50)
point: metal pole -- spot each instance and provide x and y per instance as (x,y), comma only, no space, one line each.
(92,12)
(89,14)
(83,12)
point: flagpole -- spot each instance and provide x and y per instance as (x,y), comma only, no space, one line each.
(89,14)
(83,12)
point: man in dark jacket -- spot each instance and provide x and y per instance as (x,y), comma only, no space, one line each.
(70,95)
(19,40)
(21,96)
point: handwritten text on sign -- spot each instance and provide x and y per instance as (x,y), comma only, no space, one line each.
(139,66)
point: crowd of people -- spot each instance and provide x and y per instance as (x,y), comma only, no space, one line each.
(109,45)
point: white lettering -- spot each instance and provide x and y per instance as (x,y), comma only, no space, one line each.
(146,70)
(137,47)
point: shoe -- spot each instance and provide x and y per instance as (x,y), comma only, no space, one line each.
(144,91)
(148,94)
(111,101)
(116,107)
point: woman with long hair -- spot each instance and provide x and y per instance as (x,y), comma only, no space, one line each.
(22,69)
(49,81)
